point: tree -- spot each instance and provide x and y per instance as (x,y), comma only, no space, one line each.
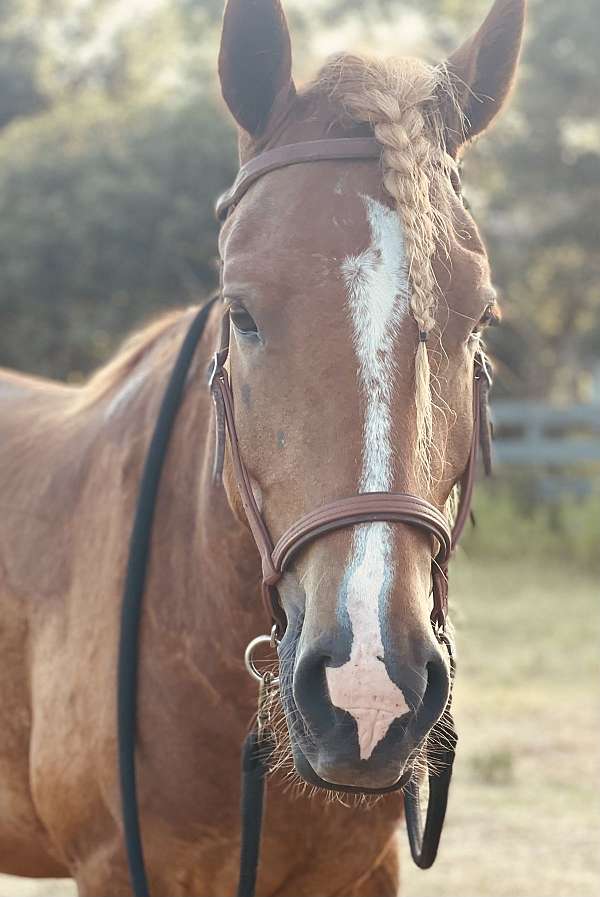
(106,216)
(21,91)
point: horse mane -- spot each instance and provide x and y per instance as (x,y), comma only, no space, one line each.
(133,351)
(404,100)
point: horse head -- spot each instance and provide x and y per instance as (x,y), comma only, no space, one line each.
(358,293)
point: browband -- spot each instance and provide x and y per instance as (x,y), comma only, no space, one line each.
(294,154)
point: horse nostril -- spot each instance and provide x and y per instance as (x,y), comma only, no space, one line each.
(435,697)
(426,683)
(311,693)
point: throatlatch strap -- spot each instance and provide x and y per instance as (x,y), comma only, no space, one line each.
(133,594)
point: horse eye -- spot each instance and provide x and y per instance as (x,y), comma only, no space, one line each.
(243,321)
(490,318)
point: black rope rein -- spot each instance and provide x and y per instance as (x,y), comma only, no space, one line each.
(133,594)
(255,767)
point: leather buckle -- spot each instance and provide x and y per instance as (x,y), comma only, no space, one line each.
(216,367)
(213,369)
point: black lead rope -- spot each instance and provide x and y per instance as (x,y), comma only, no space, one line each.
(255,766)
(133,594)
(424,843)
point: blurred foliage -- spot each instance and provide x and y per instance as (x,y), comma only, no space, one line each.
(542,213)
(111,218)
(106,202)
(514,513)
(113,147)
(22,93)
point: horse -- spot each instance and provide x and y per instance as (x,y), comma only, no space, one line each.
(357,293)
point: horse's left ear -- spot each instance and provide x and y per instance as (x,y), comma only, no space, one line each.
(483,72)
(255,62)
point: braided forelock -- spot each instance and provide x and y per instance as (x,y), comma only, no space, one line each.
(401,100)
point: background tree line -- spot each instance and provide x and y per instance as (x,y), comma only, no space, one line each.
(113,146)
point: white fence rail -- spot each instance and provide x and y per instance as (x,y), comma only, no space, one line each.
(531,432)
(563,444)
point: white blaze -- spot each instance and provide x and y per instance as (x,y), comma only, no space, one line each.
(377,285)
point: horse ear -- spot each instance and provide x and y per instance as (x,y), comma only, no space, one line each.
(255,61)
(483,72)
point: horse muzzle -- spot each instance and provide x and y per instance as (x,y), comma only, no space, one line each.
(355,726)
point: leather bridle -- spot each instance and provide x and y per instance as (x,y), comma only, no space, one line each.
(394,507)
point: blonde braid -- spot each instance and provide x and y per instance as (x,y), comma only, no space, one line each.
(400,100)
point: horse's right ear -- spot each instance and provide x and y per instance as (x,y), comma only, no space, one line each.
(255,61)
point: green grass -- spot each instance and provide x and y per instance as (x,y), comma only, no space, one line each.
(524,817)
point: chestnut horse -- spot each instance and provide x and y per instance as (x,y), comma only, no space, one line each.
(358,293)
